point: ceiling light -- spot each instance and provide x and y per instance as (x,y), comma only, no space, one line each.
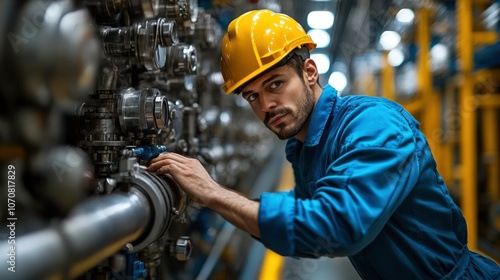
(322,62)
(395,57)
(338,80)
(405,16)
(439,52)
(320,37)
(440,56)
(389,40)
(320,19)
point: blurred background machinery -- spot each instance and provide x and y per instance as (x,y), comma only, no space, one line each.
(93,89)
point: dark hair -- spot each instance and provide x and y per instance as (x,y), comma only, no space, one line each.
(297,64)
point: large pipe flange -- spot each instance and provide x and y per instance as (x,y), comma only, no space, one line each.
(166,201)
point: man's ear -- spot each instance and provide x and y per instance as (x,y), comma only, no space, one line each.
(311,71)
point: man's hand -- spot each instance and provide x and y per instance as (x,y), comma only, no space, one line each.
(189,173)
(192,177)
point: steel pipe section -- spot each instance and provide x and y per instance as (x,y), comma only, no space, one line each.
(96,229)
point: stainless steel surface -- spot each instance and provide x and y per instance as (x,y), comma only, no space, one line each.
(179,10)
(183,60)
(61,32)
(168,32)
(94,230)
(109,11)
(181,249)
(165,200)
(91,90)
(143,111)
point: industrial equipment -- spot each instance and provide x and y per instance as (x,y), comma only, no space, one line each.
(91,91)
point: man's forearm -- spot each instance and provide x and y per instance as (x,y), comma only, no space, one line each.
(237,209)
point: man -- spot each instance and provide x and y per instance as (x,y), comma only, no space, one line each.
(366,182)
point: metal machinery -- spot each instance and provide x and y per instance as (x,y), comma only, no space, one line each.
(92,90)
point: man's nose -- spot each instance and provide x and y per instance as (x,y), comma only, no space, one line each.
(267,102)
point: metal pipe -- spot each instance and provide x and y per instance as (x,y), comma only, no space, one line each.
(96,229)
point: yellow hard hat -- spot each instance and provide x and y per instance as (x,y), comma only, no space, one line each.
(256,41)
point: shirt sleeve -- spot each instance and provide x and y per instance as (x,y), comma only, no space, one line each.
(362,187)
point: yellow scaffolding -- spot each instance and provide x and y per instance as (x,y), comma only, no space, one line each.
(430,116)
(426,104)
(469,105)
(477,100)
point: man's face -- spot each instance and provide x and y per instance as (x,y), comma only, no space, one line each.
(282,100)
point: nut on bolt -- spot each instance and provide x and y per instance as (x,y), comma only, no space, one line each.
(181,249)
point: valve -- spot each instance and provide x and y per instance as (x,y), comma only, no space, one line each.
(183,60)
(143,111)
(110,10)
(141,44)
(180,10)
(147,152)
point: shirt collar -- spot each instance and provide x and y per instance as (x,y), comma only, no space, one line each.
(320,115)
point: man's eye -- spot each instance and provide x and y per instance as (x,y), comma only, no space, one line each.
(275,84)
(252,97)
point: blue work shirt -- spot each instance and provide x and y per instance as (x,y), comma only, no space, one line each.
(367,187)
